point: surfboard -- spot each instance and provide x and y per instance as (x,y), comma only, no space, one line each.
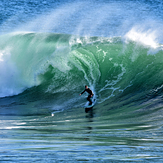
(89,107)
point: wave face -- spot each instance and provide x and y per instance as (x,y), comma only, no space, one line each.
(57,66)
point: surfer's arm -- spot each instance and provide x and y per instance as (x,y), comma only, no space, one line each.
(82,92)
(92,95)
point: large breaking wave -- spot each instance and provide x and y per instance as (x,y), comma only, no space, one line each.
(59,65)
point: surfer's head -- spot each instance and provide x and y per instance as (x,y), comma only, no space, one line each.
(86,86)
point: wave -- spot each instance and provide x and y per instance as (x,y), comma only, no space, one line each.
(41,65)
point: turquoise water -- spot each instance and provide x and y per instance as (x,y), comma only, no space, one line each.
(48,53)
(75,136)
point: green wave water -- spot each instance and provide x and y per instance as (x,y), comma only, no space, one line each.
(57,66)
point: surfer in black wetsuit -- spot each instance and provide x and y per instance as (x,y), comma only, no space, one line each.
(89,91)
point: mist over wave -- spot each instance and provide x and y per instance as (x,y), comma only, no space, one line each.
(89,18)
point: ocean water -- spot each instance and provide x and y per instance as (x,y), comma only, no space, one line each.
(49,50)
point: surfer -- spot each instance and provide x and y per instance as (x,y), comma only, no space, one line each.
(89,91)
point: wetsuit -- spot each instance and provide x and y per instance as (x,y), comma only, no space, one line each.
(89,96)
